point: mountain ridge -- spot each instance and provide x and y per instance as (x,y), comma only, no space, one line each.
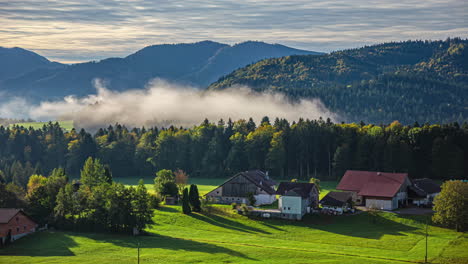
(194,64)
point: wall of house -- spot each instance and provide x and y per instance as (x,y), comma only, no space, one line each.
(380,204)
(264,199)
(20,225)
(290,204)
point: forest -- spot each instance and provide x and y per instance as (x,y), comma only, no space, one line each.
(424,81)
(288,150)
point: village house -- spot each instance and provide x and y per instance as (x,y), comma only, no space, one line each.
(296,199)
(239,187)
(423,191)
(339,202)
(14,224)
(379,190)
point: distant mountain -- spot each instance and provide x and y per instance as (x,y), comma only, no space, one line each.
(196,64)
(15,62)
(424,81)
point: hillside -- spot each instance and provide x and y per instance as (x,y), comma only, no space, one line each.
(424,81)
(15,62)
(197,64)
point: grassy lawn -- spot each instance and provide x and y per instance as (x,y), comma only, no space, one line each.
(66,125)
(223,237)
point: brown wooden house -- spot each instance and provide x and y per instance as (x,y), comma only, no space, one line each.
(238,188)
(14,224)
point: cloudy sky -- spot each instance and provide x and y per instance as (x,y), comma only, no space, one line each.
(81,30)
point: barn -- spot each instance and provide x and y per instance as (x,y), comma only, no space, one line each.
(239,187)
(423,191)
(14,224)
(380,190)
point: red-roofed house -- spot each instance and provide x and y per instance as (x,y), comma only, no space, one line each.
(14,224)
(381,190)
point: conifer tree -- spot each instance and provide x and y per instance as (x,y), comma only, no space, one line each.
(194,198)
(185,202)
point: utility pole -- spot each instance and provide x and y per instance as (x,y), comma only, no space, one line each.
(138,252)
(425,257)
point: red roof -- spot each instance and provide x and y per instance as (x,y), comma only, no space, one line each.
(372,183)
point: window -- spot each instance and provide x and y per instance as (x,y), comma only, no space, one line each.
(17,219)
(17,229)
(24,227)
(289,208)
(284,208)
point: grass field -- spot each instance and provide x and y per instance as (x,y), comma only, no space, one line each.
(66,125)
(225,237)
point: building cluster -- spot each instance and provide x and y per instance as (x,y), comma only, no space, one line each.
(377,190)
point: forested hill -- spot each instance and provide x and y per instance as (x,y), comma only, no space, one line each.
(197,64)
(424,81)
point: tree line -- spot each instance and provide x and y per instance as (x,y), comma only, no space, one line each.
(302,149)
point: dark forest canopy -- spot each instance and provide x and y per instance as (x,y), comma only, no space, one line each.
(406,81)
(303,149)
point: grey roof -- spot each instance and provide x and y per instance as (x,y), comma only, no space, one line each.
(257,177)
(423,187)
(336,198)
(302,189)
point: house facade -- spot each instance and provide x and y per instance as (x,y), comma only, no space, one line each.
(238,188)
(14,224)
(296,198)
(379,190)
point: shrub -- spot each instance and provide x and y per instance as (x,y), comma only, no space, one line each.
(154,201)
(234,206)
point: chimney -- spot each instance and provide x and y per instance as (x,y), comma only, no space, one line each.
(266,175)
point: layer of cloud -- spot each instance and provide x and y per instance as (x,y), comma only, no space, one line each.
(77,30)
(164,104)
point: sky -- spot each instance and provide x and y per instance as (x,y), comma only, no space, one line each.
(81,30)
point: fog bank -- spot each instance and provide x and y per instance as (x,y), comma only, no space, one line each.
(163,104)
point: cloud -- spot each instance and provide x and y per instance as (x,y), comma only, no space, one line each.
(76,30)
(163,104)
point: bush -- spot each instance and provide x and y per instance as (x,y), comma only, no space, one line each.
(154,201)
(234,206)
(245,209)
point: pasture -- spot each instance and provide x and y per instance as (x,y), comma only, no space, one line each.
(67,125)
(222,236)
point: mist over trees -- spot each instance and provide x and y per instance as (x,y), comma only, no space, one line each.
(303,149)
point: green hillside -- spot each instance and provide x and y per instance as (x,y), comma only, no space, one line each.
(66,125)
(224,237)
(424,81)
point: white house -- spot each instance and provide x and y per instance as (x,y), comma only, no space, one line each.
(296,198)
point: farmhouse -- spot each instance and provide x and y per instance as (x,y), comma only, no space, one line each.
(14,224)
(339,202)
(380,190)
(239,187)
(423,191)
(296,198)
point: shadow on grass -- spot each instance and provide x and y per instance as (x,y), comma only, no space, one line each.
(41,244)
(167,209)
(154,240)
(365,225)
(224,222)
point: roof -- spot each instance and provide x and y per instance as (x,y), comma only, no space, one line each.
(6,214)
(336,198)
(257,177)
(302,189)
(425,186)
(372,183)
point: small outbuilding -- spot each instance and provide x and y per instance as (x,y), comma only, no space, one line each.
(423,191)
(14,224)
(339,202)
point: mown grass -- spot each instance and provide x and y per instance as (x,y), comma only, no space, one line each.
(225,237)
(66,125)
(221,236)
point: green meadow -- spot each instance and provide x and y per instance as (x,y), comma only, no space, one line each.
(66,125)
(222,236)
